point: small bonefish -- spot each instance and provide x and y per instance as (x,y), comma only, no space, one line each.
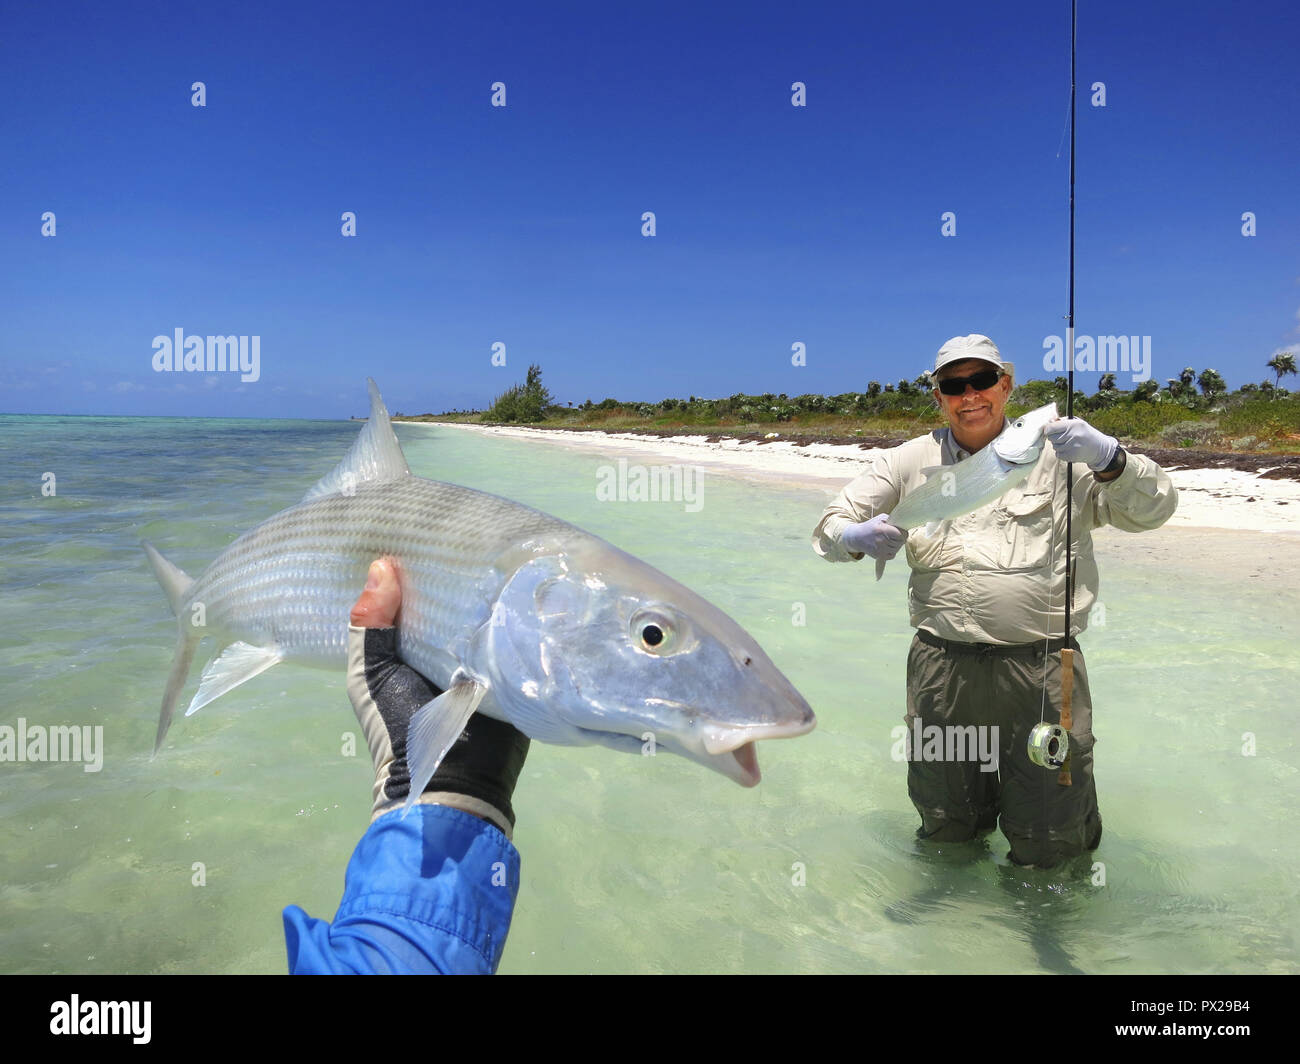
(952,490)
(511,612)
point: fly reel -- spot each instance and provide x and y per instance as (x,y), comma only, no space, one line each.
(1049,744)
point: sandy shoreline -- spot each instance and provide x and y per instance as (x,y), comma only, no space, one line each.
(1207,498)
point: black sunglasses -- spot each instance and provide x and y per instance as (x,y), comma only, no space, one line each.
(985,378)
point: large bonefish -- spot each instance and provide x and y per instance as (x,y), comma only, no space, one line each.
(510,611)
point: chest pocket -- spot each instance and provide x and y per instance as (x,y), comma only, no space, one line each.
(927,552)
(1026,531)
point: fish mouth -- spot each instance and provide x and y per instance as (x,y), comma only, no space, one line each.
(730,751)
(747,760)
(735,755)
(739,764)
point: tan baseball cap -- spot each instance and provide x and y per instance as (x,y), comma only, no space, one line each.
(976,345)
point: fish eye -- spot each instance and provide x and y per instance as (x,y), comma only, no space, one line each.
(1020,424)
(659,631)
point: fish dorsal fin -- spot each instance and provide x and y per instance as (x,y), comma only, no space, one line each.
(375,456)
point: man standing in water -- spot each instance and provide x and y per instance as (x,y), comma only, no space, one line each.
(983,590)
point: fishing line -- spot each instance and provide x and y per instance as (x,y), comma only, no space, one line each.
(1065,125)
(1048,744)
(1047,626)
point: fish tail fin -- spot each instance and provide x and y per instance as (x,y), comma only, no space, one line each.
(175,584)
(185,647)
(175,581)
(880,568)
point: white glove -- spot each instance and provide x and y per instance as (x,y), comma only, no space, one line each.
(876,537)
(1076,441)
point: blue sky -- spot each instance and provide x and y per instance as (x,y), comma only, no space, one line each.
(522,224)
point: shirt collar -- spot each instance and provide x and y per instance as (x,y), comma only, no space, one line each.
(953,452)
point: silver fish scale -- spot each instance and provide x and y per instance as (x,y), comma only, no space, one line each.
(292,580)
(980,479)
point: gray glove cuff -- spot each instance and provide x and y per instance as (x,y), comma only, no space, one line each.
(477,775)
(1111,445)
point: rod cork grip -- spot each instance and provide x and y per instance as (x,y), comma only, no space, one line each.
(1067,718)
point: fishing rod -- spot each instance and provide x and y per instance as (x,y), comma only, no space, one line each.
(1049,744)
(1067,653)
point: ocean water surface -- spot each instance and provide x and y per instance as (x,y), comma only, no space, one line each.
(184,863)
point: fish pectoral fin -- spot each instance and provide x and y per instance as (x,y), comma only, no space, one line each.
(880,568)
(930,471)
(237,663)
(434,727)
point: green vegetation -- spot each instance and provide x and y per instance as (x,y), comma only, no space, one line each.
(527,402)
(1266,418)
(1192,410)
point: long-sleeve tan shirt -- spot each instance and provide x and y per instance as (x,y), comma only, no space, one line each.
(997,575)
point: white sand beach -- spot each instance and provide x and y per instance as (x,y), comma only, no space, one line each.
(1207,498)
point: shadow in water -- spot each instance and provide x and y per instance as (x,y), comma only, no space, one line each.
(1045,903)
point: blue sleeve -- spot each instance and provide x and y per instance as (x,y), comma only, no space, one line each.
(432,893)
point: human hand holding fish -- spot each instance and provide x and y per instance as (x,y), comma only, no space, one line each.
(479,772)
(876,537)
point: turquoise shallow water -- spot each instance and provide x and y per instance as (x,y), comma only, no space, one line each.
(629,864)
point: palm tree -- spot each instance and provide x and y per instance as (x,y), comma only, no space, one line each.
(1282,363)
(1211,384)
